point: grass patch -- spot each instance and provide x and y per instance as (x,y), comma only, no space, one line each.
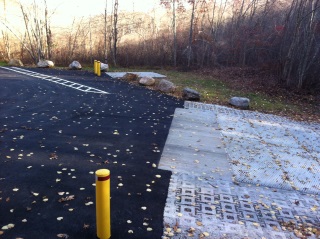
(214,90)
(3,63)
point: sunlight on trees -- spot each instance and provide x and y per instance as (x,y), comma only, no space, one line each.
(279,36)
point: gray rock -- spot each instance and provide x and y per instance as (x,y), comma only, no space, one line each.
(130,77)
(190,94)
(240,102)
(45,64)
(75,65)
(15,62)
(147,81)
(104,67)
(166,86)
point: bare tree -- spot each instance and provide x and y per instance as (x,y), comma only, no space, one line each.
(38,31)
(193,2)
(48,31)
(115,32)
(302,38)
(5,35)
(105,33)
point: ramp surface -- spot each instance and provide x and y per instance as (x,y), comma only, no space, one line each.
(140,74)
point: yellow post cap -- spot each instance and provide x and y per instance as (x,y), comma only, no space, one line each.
(103,174)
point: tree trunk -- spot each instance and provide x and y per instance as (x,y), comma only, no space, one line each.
(105,34)
(48,32)
(174,27)
(115,32)
(191,33)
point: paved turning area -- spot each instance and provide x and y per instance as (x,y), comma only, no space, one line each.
(177,171)
(53,137)
(241,174)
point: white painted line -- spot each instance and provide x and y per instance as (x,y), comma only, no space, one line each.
(57,80)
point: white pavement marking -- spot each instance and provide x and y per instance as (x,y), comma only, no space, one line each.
(57,80)
(140,74)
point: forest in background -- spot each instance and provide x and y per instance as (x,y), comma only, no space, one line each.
(281,37)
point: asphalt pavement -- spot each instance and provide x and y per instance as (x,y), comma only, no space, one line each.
(53,137)
(178,169)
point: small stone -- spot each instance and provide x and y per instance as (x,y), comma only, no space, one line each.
(130,77)
(190,94)
(45,64)
(240,102)
(166,86)
(147,81)
(75,65)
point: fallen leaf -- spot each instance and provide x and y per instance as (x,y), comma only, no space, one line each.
(205,234)
(314,208)
(86,226)
(199,223)
(256,224)
(63,235)
(68,198)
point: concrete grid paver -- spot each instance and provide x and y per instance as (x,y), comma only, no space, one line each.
(258,202)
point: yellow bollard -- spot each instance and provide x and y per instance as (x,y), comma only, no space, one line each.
(95,67)
(103,203)
(99,68)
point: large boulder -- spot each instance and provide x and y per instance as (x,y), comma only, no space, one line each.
(190,94)
(45,64)
(147,81)
(130,77)
(15,62)
(166,86)
(75,65)
(240,102)
(104,67)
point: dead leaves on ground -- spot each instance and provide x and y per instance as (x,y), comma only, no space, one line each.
(53,156)
(300,230)
(63,235)
(65,199)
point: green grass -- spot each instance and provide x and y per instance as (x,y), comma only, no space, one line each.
(2,63)
(215,91)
